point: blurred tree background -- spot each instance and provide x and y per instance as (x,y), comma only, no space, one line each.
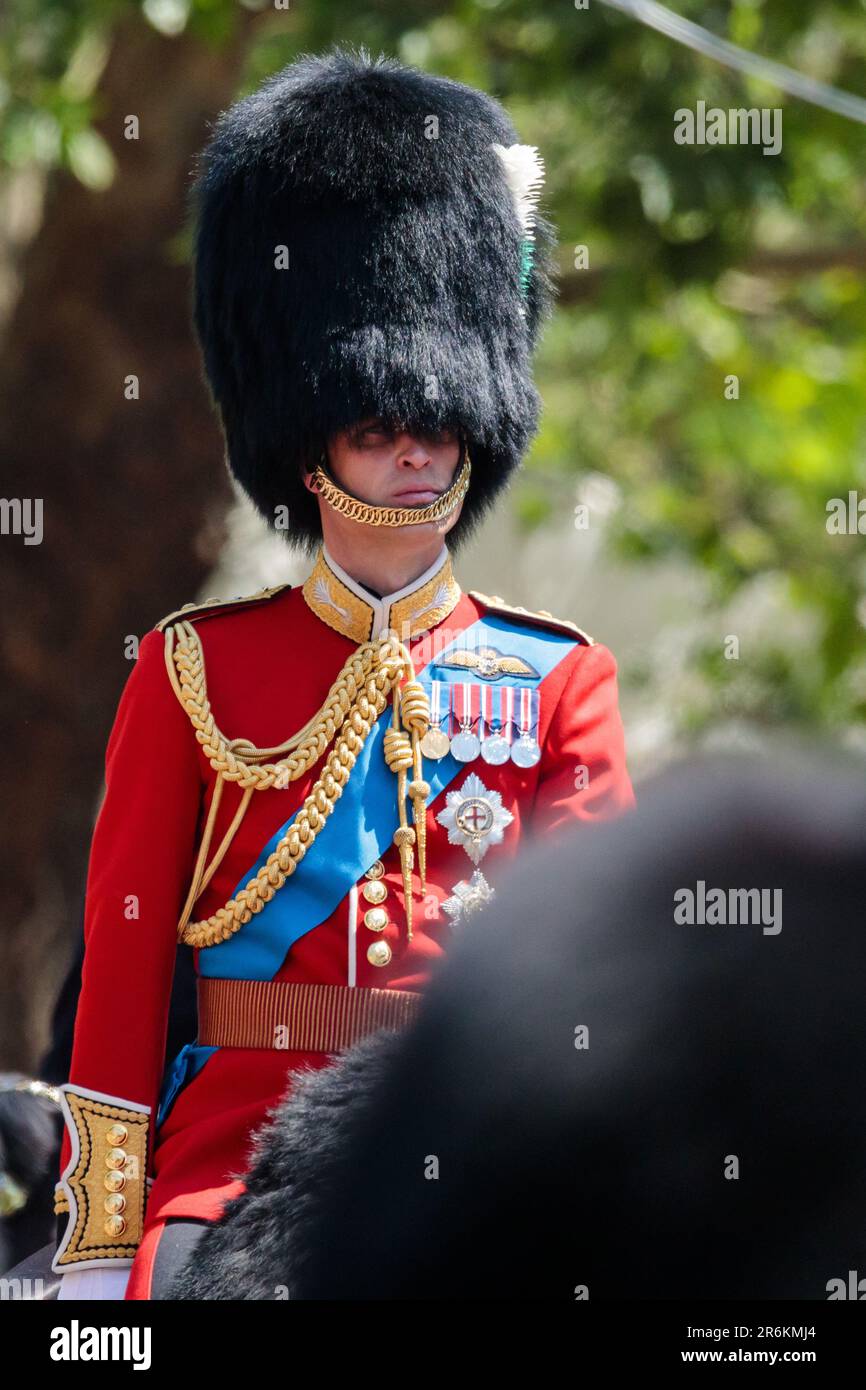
(701,263)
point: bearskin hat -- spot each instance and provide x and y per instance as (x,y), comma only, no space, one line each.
(359,251)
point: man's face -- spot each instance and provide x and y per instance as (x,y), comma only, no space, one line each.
(387,466)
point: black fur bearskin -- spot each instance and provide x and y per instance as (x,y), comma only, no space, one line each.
(402,294)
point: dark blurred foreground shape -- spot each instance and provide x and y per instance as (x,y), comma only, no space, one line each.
(561,1168)
(30,1127)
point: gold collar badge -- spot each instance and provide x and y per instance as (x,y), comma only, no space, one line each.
(345,610)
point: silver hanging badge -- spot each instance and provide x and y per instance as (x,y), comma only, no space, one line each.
(467,898)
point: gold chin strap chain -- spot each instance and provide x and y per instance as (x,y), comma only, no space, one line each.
(352,507)
(379,669)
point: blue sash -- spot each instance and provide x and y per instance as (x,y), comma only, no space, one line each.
(186,1065)
(361,826)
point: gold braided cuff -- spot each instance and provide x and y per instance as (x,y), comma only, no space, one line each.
(352,507)
(104,1184)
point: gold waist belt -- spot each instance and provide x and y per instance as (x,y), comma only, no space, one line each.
(280,1014)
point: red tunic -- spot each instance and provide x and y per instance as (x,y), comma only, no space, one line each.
(269,667)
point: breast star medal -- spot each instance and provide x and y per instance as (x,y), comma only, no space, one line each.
(436,743)
(525,751)
(465,745)
(474,818)
(467,898)
(496,705)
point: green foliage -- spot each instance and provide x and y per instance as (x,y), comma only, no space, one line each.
(704,263)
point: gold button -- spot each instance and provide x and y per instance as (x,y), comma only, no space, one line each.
(379,953)
(376,870)
(376,918)
(375,892)
(115,1158)
(115,1203)
(114,1181)
(114,1226)
(118,1134)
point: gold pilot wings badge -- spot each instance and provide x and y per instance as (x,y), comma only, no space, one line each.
(489,663)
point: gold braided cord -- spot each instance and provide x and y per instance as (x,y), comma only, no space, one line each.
(404,836)
(237,760)
(374,673)
(227,839)
(196,887)
(356,510)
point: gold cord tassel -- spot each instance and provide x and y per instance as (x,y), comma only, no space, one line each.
(415,713)
(398,756)
(402,752)
(404,839)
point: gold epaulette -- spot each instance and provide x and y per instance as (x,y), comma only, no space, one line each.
(217,605)
(539,617)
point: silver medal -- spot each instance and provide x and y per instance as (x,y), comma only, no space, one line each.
(465,746)
(495,749)
(525,751)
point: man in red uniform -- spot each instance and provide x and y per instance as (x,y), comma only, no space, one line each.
(315,786)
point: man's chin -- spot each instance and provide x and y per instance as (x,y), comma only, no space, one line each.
(436,528)
(414,503)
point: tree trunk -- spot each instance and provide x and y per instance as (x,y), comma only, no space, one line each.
(133,490)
